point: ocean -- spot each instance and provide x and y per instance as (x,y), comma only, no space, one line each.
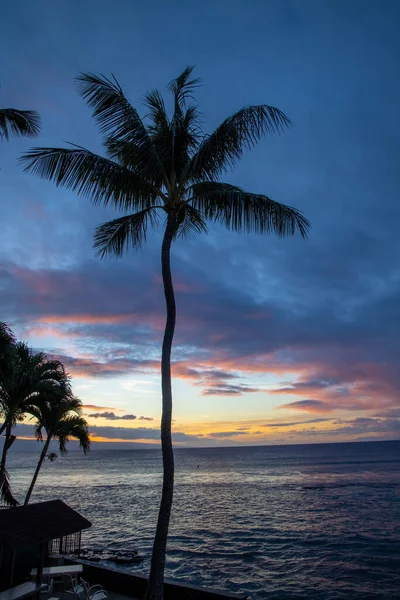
(283,522)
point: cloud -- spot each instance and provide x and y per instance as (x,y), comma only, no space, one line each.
(186,437)
(110,416)
(234,337)
(201,375)
(302,387)
(109,368)
(228,390)
(138,433)
(96,407)
(390,413)
(358,428)
(294,423)
(225,434)
(307,406)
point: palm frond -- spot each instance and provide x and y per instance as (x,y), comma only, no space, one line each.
(6,334)
(75,427)
(35,412)
(101,179)
(54,410)
(62,443)
(243,211)
(114,237)
(190,222)
(187,133)
(80,432)
(69,405)
(159,128)
(49,369)
(176,140)
(5,490)
(26,355)
(38,432)
(7,350)
(111,109)
(119,120)
(192,124)
(18,123)
(185,125)
(242,131)
(183,87)
(157,113)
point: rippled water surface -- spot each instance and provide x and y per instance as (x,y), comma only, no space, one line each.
(316,521)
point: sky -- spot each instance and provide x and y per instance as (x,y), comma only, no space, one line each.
(278,341)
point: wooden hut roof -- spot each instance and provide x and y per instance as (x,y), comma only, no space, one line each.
(38,523)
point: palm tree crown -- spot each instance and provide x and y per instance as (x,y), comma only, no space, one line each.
(32,378)
(166,163)
(61,419)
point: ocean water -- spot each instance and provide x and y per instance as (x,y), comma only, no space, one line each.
(315,521)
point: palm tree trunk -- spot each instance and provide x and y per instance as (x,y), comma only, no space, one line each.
(2,428)
(155,587)
(41,459)
(5,489)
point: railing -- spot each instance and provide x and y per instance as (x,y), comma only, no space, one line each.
(69,544)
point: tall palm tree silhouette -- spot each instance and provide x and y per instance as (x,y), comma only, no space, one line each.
(166,165)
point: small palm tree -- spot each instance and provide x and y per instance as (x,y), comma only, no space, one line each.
(166,165)
(18,123)
(31,378)
(61,421)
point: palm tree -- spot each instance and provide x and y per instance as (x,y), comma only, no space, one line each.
(31,379)
(18,123)
(165,165)
(61,421)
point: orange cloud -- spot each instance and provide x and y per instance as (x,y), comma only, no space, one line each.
(96,407)
(156,320)
(41,331)
(98,438)
(86,319)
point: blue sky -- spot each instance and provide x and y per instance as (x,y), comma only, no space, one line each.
(278,341)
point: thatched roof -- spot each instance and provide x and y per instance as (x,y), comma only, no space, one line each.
(36,523)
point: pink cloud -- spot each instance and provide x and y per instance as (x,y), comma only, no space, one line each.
(87,319)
